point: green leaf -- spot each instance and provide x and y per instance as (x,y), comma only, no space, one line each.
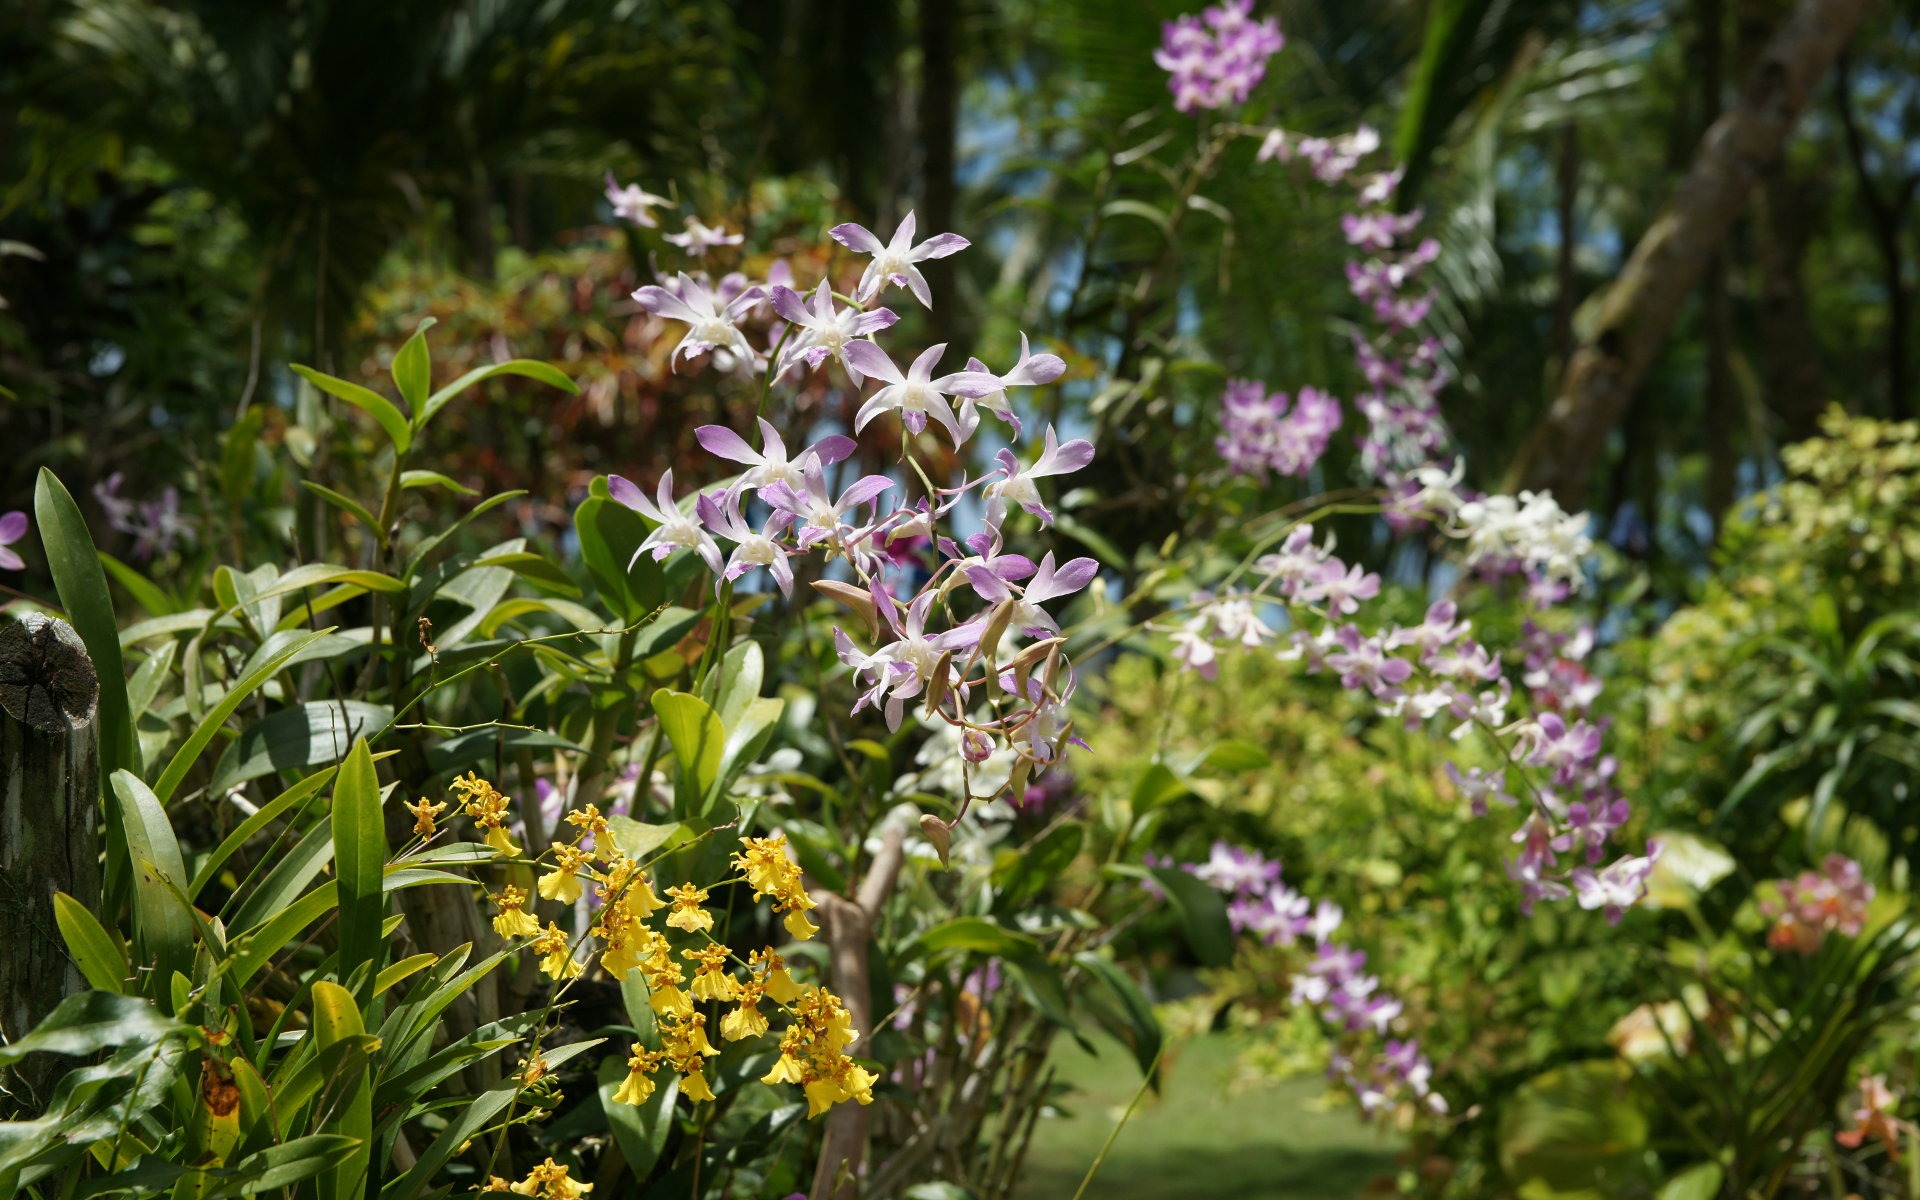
(144,591)
(640,1129)
(94,952)
(267,813)
(426,479)
(278,1167)
(189,753)
(639,841)
(973,935)
(1573,1128)
(91,1022)
(609,533)
(1202,913)
(335,1019)
(519,366)
(477,1116)
(1029,869)
(381,409)
(413,368)
(302,736)
(345,504)
(699,743)
(360,857)
(82,587)
(1139,1028)
(163,928)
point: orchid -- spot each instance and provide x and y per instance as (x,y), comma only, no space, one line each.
(633,202)
(893,262)
(900,670)
(1217,58)
(916,394)
(979,386)
(1013,484)
(828,328)
(673,529)
(770,464)
(13,527)
(712,323)
(818,518)
(752,548)
(699,238)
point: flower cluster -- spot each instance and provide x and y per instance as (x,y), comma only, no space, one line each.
(1217,58)
(1529,534)
(1874,1118)
(947,644)
(488,808)
(1300,605)
(1334,982)
(1261,432)
(549,1181)
(813,1046)
(1805,909)
(1401,365)
(156,526)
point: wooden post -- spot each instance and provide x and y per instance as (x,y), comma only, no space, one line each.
(49,823)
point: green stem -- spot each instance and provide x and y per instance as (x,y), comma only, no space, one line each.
(1114,1135)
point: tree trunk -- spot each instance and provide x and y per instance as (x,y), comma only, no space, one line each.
(1639,309)
(1716,308)
(849,930)
(1888,217)
(49,824)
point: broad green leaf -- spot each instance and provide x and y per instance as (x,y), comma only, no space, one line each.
(82,588)
(699,743)
(359,857)
(1202,912)
(1573,1128)
(189,753)
(94,952)
(163,928)
(319,574)
(972,935)
(279,1167)
(381,409)
(746,739)
(302,736)
(742,672)
(640,841)
(413,369)
(336,1018)
(1139,1028)
(289,873)
(519,366)
(640,1129)
(91,1022)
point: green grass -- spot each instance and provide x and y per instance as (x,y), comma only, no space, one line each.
(1195,1141)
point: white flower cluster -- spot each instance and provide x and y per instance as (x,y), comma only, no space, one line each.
(1529,532)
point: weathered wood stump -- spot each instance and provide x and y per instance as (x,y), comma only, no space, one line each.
(49,823)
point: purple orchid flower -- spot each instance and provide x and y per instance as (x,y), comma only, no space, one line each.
(828,328)
(13,527)
(817,516)
(978,386)
(916,394)
(893,263)
(712,324)
(673,529)
(771,464)
(752,549)
(699,238)
(1015,484)
(632,202)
